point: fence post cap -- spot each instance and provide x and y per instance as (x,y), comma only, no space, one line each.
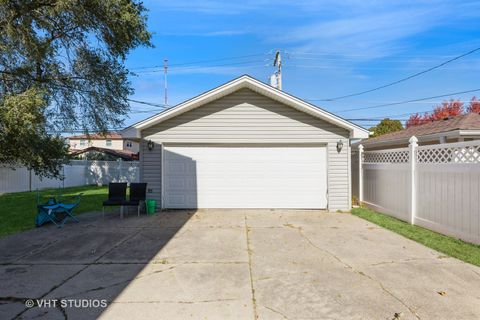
(413,140)
(360,147)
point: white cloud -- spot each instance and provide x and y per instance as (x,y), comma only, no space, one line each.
(360,29)
(207,6)
(368,36)
(218,33)
(279,7)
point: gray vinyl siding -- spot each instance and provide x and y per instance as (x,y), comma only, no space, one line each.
(246,117)
(151,170)
(338,177)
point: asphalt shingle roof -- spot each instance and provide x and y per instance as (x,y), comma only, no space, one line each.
(469,121)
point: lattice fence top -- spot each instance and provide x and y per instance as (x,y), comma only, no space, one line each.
(394,156)
(453,153)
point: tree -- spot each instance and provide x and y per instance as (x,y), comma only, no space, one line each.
(474,106)
(445,110)
(61,67)
(386,126)
(23,137)
(417,119)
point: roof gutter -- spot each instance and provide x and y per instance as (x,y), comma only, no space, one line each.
(428,137)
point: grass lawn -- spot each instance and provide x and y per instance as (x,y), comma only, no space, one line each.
(18,210)
(450,246)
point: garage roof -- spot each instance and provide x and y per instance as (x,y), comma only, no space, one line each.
(255,85)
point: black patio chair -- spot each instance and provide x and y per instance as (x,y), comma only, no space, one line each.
(138,195)
(117,196)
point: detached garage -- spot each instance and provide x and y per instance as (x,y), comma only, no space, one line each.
(246,145)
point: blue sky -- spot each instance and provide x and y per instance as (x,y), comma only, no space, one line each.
(330,49)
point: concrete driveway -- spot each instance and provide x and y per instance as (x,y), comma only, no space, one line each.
(231,264)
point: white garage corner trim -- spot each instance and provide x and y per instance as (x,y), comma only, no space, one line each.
(245,177)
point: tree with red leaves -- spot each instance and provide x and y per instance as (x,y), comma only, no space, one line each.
(474,106)
(417,119)
(447,109)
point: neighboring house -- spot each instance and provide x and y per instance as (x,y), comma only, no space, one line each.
(460,128)
(112,146)
(246,144)
(97,153)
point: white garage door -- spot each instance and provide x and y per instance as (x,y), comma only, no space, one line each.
(245,177)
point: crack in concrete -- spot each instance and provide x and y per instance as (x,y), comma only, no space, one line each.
(11,299)
(76,274)
(179,302)
(275,311)
(36,250)
(120,282)
(114,263)
(249,253)
(23,300)
(302,234)
(63,311)
(400,261)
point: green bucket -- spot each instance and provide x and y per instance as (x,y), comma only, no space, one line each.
(151,206)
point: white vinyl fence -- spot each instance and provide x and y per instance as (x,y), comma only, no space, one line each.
(76,173)
(434,186)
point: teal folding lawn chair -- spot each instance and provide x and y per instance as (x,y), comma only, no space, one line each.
(67,208)
(48,212)
(44,211)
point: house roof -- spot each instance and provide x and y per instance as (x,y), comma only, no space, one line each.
(123,154)
(98,136)
(255,85)
(466,122)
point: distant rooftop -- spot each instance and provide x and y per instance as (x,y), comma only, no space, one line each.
(97,136)
(123,154)
(469,121)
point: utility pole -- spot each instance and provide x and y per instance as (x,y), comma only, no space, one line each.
(165,68)
(278,63)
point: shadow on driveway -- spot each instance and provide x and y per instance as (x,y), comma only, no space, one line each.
(94,259)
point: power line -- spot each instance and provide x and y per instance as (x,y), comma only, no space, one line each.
(401,80)
(221,65)
(201,67)
(338,111)
(342,58)
(323,54)
(146,111)
(392,116)
(203,61)
(406,114)
(409,101)
(157,105)
(317,66)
